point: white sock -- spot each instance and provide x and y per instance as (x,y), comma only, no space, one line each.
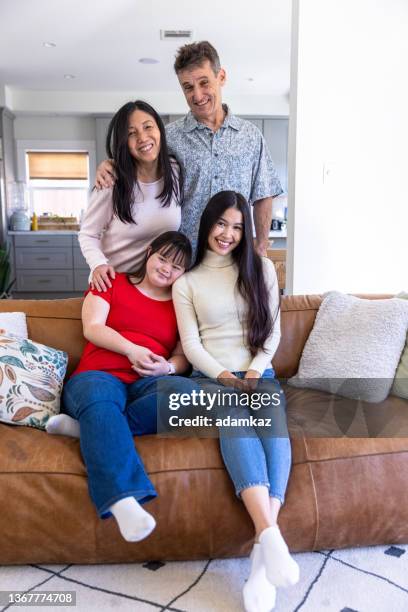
(259,593)
(64,425)
(134,522)
(281,569)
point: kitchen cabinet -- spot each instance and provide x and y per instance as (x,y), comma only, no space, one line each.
(257,122)
(48,265)
(275,132)
(7,166)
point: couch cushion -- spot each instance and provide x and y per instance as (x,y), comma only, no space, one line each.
(29,450)
(298,313)
(354,347)
(58,323)
(333,427)
(400,385)
(31,377)
(318,425)
(55,323)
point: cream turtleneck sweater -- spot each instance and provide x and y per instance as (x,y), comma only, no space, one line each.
(209,312)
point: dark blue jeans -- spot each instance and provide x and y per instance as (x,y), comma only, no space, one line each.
(110,413)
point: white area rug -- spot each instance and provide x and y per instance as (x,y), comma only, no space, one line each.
(354,580)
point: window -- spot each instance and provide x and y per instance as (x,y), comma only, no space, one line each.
(58,182)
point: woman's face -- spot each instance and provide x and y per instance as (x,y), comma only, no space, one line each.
(143,137)
(162,271)
(226,233)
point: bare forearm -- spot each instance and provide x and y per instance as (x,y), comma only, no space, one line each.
(263,220)
(107,338)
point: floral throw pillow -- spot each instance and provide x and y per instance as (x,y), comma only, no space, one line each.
(31,378)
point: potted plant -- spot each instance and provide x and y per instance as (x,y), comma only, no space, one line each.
(5,270)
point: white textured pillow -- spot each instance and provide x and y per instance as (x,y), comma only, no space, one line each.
(14,323)
(354,347)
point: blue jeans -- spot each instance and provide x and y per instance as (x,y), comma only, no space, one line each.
(254,455)
(110,413)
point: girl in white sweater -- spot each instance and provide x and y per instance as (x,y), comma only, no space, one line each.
(227,311)
(122,221)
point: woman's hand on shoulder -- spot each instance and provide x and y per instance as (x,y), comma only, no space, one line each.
(100,277)
(105,174)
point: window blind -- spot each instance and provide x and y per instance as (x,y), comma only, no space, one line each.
(56,165)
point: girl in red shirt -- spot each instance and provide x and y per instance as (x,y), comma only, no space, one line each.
(132,342)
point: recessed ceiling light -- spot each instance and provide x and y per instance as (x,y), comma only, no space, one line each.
(250,79)
(69,76)
(148,60)
(49,45)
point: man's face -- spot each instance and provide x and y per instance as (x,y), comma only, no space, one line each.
(202,90)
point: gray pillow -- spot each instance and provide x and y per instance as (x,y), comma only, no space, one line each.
(354,347)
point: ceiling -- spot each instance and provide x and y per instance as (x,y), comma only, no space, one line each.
(100,42)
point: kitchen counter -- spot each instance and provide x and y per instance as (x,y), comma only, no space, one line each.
(278,234)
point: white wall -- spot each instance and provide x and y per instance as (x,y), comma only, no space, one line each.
(348,186)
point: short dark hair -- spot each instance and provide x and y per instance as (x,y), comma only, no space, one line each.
(174,245)
(195,54)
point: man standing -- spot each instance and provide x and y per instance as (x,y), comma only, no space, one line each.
(217,151)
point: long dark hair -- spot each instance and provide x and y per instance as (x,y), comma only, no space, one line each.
(251,281)
(174,245)
(117,149)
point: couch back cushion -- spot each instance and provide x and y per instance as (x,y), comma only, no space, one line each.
(57,323)
(298,313)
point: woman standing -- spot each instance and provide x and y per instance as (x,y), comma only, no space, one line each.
(227,310)
(120,222)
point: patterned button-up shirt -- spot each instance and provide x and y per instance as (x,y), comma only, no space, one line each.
(235,158)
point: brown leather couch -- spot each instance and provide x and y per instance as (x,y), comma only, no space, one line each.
(345,488)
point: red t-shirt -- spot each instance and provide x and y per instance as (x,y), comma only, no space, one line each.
(138,318)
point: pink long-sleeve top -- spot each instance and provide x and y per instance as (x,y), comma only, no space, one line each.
(104,239)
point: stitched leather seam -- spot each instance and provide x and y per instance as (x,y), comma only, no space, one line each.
(198,469)
(170,471)
(316,507)
(308,461)
(400,452)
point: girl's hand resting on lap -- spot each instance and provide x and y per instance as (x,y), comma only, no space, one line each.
(251,379)
(139,356)
(150,365)
(100,277)
(248,384)
(228,379)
